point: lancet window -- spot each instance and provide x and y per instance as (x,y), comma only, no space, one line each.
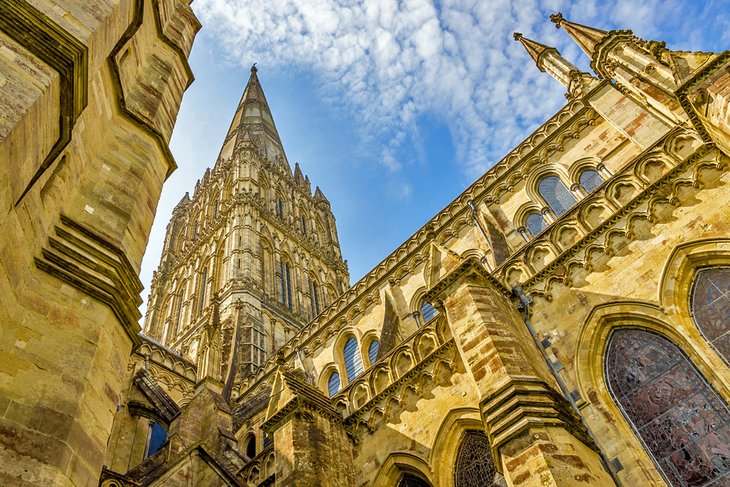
(534,223)
(314,292)
(710,306)
(474,464)
(428,312)
(156,436)
(556,195)
(589,180)
(373,351)
(683,422)
(353,360)
(286,287)
(333,383)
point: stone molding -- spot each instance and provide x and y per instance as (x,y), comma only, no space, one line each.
(68,56)
(89,262)
(149,128)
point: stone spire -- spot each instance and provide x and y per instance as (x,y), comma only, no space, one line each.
(586,37)
(254,124)
(548,59)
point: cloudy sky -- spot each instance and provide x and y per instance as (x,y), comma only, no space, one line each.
(393,107)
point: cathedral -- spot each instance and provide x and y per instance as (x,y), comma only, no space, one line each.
(564,321)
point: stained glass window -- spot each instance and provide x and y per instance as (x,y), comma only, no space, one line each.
(353,360)
(333,384)
(534,223)
(428,312)
(474,464)
(682,421)
(373,351)
(711,307)
(590,180)
(408,480)
(556,195)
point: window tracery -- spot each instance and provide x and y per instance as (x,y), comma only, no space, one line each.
(474,463)
(682,421)
(534,223)
(408,480)
(710,307)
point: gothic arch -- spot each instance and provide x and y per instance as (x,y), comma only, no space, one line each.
(447,440)
(581,165)
(397,464)
(592,383)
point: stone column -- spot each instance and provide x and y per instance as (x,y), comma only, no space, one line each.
(535,436)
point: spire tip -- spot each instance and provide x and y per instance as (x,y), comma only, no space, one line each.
(253,68)
(517,36)
(557,19)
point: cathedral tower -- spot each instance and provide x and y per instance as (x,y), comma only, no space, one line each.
(250,258)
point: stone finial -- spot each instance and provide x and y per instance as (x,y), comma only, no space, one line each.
(253,68)
(557,19)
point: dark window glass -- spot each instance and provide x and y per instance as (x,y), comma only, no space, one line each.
(251,447)
(288,286)
(373,351)
(556,195)
(353,361)
(534,223)
(711,307)
(408,480)
(304,225)
(333,384)
(268,440)
(282,283)
(590,180)
(157,436)
(179,313)
(202,289)
(315,296)
(428,312)
(280,208)
(474,464)
(682,421)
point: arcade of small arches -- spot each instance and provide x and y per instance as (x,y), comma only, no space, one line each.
(553,193)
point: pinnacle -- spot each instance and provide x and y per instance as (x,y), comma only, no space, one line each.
(533,48)
(586,37)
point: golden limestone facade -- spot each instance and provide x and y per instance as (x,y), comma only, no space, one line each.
(89,93)
(564,321)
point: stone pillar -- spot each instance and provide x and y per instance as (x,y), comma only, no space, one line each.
(311,445)
(536,437)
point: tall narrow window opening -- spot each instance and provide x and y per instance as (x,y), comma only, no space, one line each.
(373,351)
(556,195)
(683,422)
(202,289)
(288,286)
(590,180)
(710,306)
(156,437)
(333,383)
(409,480)
(353,360)
(534,223)
(428,312)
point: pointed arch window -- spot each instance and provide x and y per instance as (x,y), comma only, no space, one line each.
(280,208)
(474,464)
(373,351)
(353,360)
(589,180)
(428,312)
(251,446)
(203,280)
(333,383)
(710,307)
(285,281)
(682,421)
(534,223)
(314,291)
(556,195)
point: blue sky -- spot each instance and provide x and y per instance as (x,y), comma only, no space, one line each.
(393,107)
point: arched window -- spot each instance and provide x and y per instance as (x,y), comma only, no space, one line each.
(353,361)
(203,284)
(314,291)
(156,436)
(534,223)
(409,480)
(280,208)
(251,446)
(590,180)
(286,287)
(682,421)
(474,464)
(710,305)
(373,351)
(428,312)
(333,383)
(555,194)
